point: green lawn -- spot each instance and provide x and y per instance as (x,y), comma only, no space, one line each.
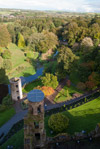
(6,115)
(33,55)
(17,141)
(20,67)
(32,85)
(84,117)
(62,95)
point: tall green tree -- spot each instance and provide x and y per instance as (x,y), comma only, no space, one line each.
(21,41)
(4,36)
(50,80)
(86,45)
(66,57)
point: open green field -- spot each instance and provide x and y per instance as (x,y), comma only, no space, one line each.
(6,115)
(17,141)
(84,117)
(20,67)
(66,93)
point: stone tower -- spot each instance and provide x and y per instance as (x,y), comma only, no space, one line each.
(34,133)
(16,89)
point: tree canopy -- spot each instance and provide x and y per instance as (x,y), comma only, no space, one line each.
(4,36)
(67,57)
(50,80)
(58,122)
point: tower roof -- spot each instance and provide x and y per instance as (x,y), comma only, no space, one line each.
(35,95)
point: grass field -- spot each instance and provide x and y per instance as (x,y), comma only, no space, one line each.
(62,95)
(20,67)
(6,115)
(32,85)
(17,141)
(84,117)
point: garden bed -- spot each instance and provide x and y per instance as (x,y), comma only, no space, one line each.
(67,93)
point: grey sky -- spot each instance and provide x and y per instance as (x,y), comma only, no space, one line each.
(66,5)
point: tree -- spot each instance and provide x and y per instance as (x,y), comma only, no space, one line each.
(58,122)
(1,61)
(95,31)
(66,57)
(86,45)
(67,93)
(49,80)
(1,51)
(7,64)
(11,31)
(68,83)
(6,54)
(49,41)
(90,85)
(71,32)
(21,42)
(7,100)
(4,36)
(81,86)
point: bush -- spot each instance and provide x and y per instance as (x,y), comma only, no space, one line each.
(50,80)
(6,54)
(1,51)
(86,45)
(46,90)
(58,122)
(81,86)
(7,100)
(3,108)
(7,64)
(68,83)
(29,54)
(1,61)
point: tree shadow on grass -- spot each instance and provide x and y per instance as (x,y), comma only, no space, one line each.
(85,122)
(77,123)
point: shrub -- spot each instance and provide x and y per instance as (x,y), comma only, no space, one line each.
(50,80)
(7,100)
(29,54)
(68,83)
(7,64)
(90,85)
(6,54)
(81,86)
(58,122)
(46,90)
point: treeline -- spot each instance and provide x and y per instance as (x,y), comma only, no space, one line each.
(81,36)
(77,29)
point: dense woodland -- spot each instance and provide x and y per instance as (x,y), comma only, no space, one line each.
(28,41)
(76,38)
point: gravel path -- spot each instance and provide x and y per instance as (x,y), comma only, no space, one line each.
(7,126)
